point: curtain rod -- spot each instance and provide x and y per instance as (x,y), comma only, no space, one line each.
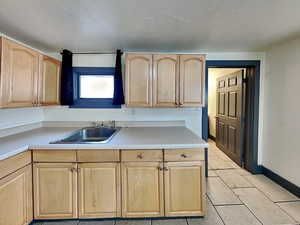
(94,53)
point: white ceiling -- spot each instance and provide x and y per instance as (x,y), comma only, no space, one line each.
(156,25)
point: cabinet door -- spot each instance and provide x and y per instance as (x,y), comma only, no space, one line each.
(55,190)
(142,189)
(16,198)
(19,75)
(165,80)
(99,190)
(49,81)
(139,80)
(192,69)
(184,189)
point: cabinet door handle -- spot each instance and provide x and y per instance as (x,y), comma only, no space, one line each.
(140,156)
(72,170)
(183,155)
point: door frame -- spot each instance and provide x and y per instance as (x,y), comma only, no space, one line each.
(252,142)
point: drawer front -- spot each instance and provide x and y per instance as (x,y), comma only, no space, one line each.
(142,155)
(173,155)
(105,155)
(54,155)
(14,163)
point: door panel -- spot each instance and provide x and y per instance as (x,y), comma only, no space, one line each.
(50,81)
(165,80)
(184,189)
(229,114)
(20,75)
(142,189)
(139,80)
(16,198)
(55,190)
(192,80)
(99,190)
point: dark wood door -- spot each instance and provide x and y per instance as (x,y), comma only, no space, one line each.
(229,114)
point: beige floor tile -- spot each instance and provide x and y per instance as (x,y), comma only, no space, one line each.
(99,222)
(212,173)
(134,222)
(262,207)
(217,163)
(219,193)
(62,222)
(272,190)
(291,208)
(211,217)
(243,172)
(237,215)
(170,222)
(233,179)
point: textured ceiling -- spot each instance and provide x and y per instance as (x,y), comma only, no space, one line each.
(156,25)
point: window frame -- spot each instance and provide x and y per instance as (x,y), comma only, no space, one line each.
(91,102)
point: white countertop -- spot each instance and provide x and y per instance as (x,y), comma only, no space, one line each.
(126,138)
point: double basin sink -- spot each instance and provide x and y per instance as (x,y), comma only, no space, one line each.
(90,135)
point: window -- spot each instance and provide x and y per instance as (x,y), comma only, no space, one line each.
(94,87)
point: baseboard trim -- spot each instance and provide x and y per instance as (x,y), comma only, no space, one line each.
(294,189)
(212,137)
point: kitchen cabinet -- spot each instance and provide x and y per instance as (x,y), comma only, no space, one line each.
(55,190)
(192,69)
(184,189)
(27,78)
(16,198)
(165,80)
(138,80)
(142,189)
(49,82)
(19,75)
(99,190)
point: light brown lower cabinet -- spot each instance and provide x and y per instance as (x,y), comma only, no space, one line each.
(55,190)
(99,190)
(142,189)
(16,198)
(184,189)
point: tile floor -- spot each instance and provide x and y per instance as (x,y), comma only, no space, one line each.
(234,197)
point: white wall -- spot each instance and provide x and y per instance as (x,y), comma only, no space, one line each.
(281,151)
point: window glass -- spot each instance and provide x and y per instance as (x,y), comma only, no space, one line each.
(93,86)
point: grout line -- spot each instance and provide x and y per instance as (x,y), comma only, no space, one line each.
(218,214)
(287,201)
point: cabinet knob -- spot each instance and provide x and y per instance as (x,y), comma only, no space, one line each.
(166,169)
(140,156)
(72,169)
(160,168)
(183,155)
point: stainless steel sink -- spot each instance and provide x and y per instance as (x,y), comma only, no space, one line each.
(89,135)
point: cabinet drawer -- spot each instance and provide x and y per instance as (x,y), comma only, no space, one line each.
(54,156)
(14,163)
(142,155)
(173,155)
(107,155)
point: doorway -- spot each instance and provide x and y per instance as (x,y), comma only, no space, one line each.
(230,117)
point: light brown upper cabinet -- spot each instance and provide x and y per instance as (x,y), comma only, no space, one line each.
(138,80)
(165,80)
(19,75)
(49,83)
(27,78)
(192,80)
(171,80)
